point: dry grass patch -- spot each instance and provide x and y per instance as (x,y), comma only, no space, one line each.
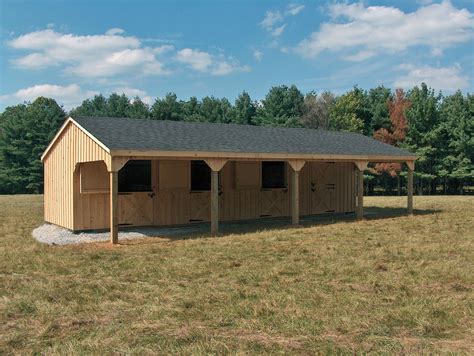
(391,284)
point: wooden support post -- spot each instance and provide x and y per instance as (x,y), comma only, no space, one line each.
(114,164)
(361,166)
(411,168)
(114,207)
(295,199)
(216,165)
(214,202)
(360,194)
(296,165)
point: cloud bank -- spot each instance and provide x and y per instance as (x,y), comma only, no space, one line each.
(367,31)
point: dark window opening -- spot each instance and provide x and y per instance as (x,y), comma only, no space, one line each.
(273,175)
(200,176)
(135,176)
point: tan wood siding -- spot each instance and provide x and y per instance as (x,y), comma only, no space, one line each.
(242,198)
(68,167)
(64,205)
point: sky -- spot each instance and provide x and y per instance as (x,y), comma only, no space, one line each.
(72,50)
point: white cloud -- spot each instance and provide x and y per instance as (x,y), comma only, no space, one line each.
(224,68)
(382,29)
(440,78)
(294,9)
(204,62)
(112,55)
(36,61)
(89,56)
(114,31)
(270,20)
(258,55)
(127,61)
(67,95)
(278,31)
(198,60)
(273,20)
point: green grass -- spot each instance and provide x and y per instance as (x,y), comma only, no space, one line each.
(395,284)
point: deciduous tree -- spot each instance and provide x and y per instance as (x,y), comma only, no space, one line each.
(348,112)
(316,109)
(395,134)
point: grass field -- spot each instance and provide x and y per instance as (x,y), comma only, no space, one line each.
(391,284)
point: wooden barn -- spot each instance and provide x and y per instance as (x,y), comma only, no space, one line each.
(102,173)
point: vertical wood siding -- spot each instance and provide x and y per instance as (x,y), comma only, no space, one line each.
(173,203)
(181,206)
(62,199)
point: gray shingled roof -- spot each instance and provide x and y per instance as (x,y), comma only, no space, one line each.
(138,134)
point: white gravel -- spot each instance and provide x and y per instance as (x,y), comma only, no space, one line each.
(55,235)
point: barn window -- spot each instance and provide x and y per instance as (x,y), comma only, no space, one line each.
(135,176)
(200,176)
(273,175)
(94,177)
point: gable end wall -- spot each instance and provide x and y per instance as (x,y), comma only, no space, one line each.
(73,146)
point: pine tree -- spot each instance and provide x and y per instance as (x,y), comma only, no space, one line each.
(244,109)
(282,106)
(25,132)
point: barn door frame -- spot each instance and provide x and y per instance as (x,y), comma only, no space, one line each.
(323,188)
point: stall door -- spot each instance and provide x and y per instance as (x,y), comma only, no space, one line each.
(273,202)
(200,206)
(323,188)
(135,209)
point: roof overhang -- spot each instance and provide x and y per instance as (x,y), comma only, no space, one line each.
(258,156)
(243,156)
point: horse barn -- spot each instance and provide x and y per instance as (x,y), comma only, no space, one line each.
(107,173)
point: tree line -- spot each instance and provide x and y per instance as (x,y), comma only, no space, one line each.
(438,128)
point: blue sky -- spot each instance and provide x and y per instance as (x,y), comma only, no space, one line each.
(71,50)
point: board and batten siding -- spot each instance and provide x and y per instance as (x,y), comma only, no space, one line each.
(77,192)
(241,196)
(62,198)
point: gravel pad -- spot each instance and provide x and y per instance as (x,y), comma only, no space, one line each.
(55,235)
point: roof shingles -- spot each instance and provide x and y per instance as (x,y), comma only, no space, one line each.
(145,135)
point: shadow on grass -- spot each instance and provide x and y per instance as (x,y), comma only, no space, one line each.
(201,230)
